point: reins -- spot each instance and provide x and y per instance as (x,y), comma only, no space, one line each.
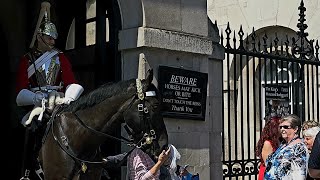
(122,139)
(67,151)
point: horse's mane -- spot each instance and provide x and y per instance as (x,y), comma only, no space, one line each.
(100,94)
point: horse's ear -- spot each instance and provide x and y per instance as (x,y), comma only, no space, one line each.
(148,80)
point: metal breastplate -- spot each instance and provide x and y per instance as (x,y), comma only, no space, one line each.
(48,72)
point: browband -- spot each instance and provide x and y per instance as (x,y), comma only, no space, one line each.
(150,93)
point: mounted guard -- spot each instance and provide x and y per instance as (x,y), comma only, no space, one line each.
(44,79)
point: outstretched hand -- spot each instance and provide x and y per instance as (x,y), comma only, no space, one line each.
(164,155)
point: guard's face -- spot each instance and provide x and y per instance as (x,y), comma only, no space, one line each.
(45,42)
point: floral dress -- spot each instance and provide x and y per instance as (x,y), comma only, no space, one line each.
(288,162)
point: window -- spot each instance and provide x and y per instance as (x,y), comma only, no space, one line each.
(91,23)
(93,38)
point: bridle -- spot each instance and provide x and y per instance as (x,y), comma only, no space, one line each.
(148,133)
(148,137)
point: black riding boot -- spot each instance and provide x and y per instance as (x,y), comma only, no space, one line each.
(32,145)
(28,156)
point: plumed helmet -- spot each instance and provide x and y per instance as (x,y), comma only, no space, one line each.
(48,28)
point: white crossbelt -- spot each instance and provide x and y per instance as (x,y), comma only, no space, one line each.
(40,61)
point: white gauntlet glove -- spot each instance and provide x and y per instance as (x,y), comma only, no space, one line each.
(72,93)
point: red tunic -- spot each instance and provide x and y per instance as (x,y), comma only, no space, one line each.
(65,74)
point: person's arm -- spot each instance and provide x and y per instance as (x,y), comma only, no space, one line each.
(314,160)
(115,161)
(22,81)
(67,72)
(266,150)
(71,88)
(162,158)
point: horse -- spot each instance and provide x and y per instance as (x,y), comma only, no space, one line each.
(71,148)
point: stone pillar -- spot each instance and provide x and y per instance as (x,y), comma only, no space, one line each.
(215,99)
(175,33)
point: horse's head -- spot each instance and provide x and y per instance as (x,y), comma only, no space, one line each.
(144,120)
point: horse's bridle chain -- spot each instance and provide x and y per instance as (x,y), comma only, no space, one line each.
(149,135)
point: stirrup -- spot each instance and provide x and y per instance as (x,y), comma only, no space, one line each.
(26,175)
(40,173)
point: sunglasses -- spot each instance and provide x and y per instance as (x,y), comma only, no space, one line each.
(285,127)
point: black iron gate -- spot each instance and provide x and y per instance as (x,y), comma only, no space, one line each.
(286,64)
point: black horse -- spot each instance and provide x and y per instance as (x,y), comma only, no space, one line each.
(71,149)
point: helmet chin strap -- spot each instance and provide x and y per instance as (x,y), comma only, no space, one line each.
(49,46)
